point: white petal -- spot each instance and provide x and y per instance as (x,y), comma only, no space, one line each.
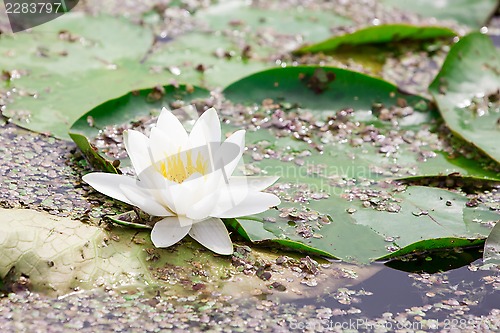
(253,203)
(212,234)
(203,207)
(206,130)
(109,184)
(180,198)
(162,145)
(229,154)
(145,201)
(254,183)
(169,124)
(150,178)
(168,231)
(152,182)
(137,145)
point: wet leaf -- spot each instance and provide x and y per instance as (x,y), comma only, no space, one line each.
(381,34)
(312,25)
(321,219)
(467,91)
(321,89)
(215,64)
(241,39)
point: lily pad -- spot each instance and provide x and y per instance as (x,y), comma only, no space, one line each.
(326,90)
(473,13)
(240,43)
(380,34)
(428,218)
(70,65)
(467,92)
(59,254)
(321,89)
(492,247)
(122,110)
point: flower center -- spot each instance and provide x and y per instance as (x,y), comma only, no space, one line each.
(178,169)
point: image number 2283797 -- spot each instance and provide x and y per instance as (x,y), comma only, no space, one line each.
(25,14)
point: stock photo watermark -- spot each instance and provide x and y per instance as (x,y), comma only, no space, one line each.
(381,325)
(25,14)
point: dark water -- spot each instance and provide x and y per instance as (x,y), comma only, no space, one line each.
(401,285)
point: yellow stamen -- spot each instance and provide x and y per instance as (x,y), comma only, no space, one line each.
(173,168)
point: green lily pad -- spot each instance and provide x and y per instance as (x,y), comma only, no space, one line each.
(428,218)
(233,46)
(70,65)
(473,13)
(380,34)
(325,90)
(467,92)
(321,89)
(491,254)
(122,110)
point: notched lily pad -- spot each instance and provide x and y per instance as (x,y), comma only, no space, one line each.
(319,88)
(474,13)
(363,126)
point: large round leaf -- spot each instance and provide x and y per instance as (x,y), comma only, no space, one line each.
(59,255)
(428,219)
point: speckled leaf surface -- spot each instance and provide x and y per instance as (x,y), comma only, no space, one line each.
(473,13)
(381,34)
(491,256)
(347,89)
(467,92)
(59,254)
(201,65)
(71,65)
(428,218)
(325,91)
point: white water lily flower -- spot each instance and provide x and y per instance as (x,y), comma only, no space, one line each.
(187,179)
